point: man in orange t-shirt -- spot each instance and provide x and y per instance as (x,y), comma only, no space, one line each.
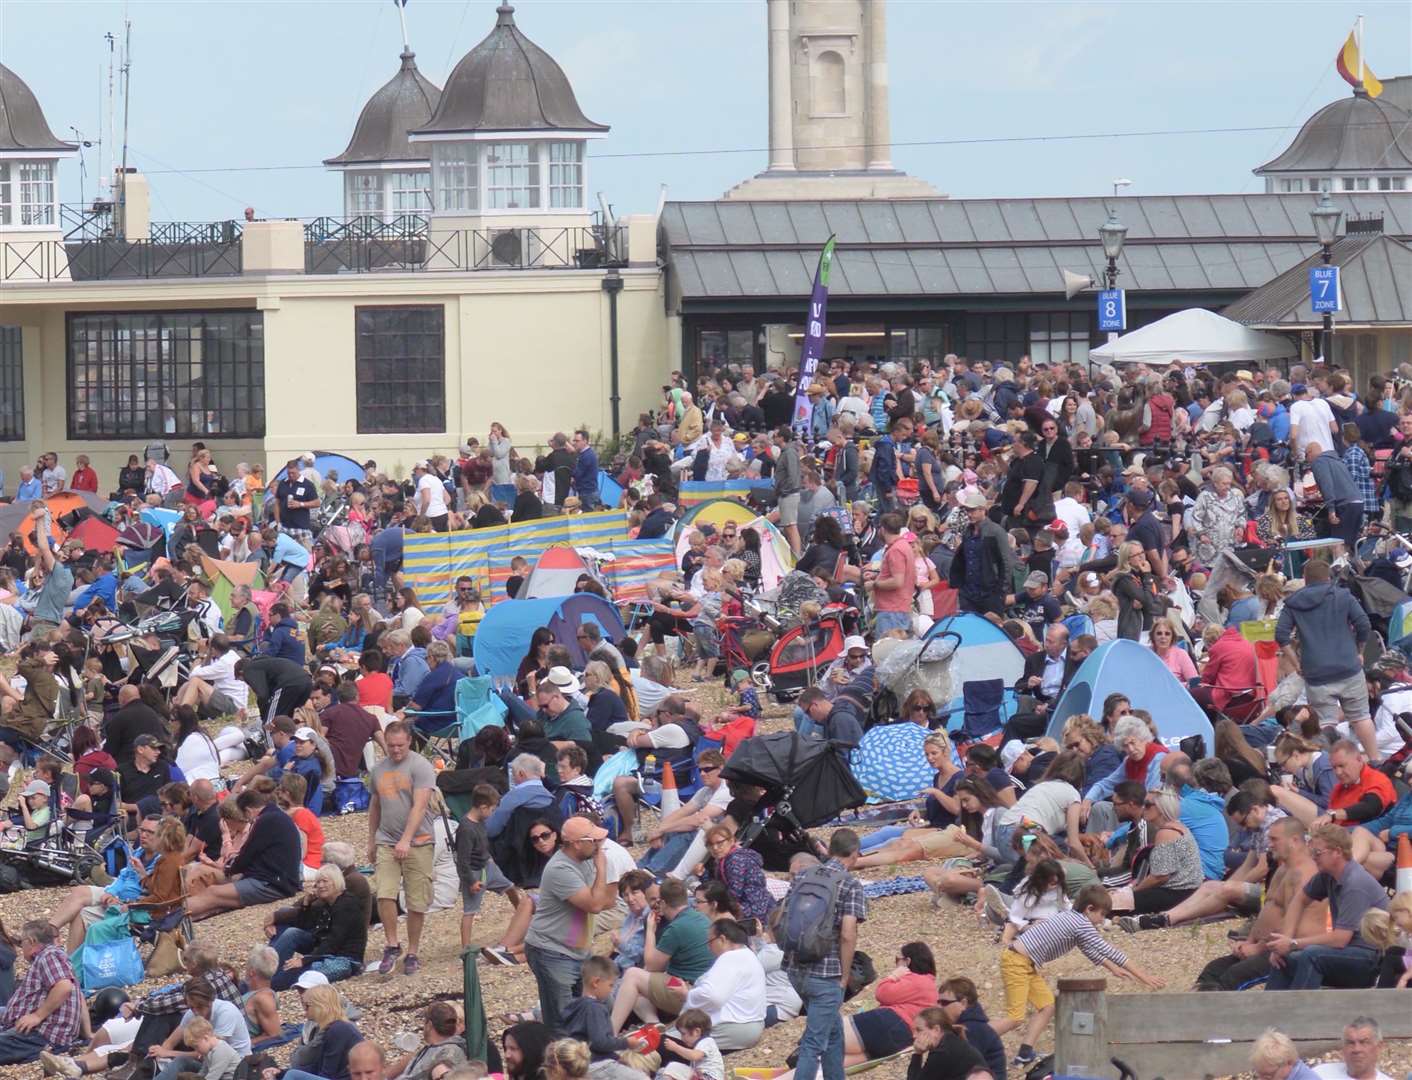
(895,581)
(1363,793)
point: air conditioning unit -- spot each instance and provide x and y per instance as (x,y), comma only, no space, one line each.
(517,248)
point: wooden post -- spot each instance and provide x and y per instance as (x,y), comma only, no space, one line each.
(1081,1028)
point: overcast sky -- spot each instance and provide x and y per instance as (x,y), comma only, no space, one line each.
(222,91)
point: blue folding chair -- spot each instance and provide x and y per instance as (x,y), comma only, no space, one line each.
(477,707)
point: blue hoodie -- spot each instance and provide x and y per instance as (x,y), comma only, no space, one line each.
(1204,814)
(282,642)
(1324,614)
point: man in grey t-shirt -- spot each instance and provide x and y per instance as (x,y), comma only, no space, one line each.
(400,842)
(572,890)
(58,580)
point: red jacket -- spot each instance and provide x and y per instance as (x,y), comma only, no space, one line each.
(1231,667)
(84,480)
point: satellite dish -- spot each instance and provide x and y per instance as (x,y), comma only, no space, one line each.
(1076,283)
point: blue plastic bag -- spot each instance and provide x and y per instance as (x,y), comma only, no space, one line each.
(109,956)
(623,763)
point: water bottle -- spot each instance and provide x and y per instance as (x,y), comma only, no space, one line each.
(651,785)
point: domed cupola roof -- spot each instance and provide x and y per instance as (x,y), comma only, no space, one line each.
(405,102)
(507,83)
(1354,134)
(23,129)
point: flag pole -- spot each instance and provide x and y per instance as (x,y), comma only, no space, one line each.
(1361,63)
(402,18)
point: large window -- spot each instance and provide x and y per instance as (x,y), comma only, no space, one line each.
(565,175)
(1392,183)
(1060,337)
(146,374)
(995,337)
(717,347)
(401,369)
(411,192)
(511,176)
(457,187)
(12,385)
(365,194)
(27,193)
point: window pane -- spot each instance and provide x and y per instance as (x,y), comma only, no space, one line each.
(6,205)
(456,183)
(400,357)
(411,192)
(364,193)
(179,373)
(36,192)
(511,176)
(566,174)
(12,384)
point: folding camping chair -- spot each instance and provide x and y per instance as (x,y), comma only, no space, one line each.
(477,707)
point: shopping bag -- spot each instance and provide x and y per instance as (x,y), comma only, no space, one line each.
(166,957)
(110,963)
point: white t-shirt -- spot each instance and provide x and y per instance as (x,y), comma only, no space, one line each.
(732,991)
(198,758)
(228,1022)
(1393,704)
(54,480)
(220,673)
(1045,803)
(1073,514)
(1337,1070)
(436,495)
(619,860)
(1314,418)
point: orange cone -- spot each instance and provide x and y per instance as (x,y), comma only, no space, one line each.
(671,800)
(1404,864)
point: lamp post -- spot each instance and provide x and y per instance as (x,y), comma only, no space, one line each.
(1112,233)
(1326,217)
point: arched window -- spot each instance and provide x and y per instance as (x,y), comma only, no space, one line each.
(829,98)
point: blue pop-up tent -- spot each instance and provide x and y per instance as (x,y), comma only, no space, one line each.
(1127,668)
(503,637)
(325,461)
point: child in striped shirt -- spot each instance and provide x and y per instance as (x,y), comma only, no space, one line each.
(1045,941)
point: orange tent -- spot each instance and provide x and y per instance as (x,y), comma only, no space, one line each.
(63,503)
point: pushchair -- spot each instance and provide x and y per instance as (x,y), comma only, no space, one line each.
(806,782)
(801,654)
(64,855)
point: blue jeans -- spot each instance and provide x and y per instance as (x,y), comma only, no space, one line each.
(289,941)
(878,838)
(821,1045)
(175,1065)
(332,968)
(1349,968)
(17,1047)
(1262,734)
(674,845)
(884,622)
(558,977)
(519,711)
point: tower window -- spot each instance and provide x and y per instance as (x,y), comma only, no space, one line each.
(829,98)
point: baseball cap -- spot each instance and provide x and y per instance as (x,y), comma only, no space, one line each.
(310,979)
(1298,388)
(1089,579)
(1140,499)
(855,641)
(421,465)
(1010,752)
(1056,525)
(35,787)
(580,828)
(1037,579)
(304,734)
(146,740)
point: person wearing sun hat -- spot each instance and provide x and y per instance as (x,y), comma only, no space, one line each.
(984,565)
(565,724)
(573,889)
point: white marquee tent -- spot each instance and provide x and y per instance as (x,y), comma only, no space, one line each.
(1195,336)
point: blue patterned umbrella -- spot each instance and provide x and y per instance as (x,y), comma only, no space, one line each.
(890,762)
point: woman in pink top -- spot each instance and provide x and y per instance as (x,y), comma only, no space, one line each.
(1164,644)
(887,1029)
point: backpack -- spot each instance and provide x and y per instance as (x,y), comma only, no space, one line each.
(808,928)
(1399,480)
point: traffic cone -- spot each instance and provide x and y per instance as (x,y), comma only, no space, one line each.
(670,799)
(1404,864)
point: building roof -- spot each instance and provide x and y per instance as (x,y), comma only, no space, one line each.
(404,102)
(22,124)
(1354,134)
(508,83)
(947,247)
(1375,278)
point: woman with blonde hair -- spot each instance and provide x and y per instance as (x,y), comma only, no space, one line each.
(1281,521)
(1390,932)
(327,1055)
(566,1059)
(328,926)
(1163,640)
(1273,1056)
(502,451)
(929,833)
(1085,736)
(1103,610)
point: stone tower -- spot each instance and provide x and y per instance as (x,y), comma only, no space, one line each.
(830,135)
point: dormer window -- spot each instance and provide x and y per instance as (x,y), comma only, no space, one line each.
(508,177)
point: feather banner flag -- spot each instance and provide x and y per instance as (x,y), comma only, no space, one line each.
(1354,68)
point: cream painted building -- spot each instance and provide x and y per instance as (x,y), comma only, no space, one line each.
(386,334)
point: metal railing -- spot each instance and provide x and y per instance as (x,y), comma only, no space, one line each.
(370,245)
(108,258)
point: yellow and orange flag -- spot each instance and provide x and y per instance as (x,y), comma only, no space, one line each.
(1348,65)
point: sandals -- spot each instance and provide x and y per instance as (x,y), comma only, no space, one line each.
(519,1018)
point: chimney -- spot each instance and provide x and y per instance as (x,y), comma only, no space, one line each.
(134,217)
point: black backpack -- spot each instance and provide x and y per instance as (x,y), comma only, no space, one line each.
(808,929)
(1399,480)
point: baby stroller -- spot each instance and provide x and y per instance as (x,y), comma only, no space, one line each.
(65,855)
(801,654)
(805,782)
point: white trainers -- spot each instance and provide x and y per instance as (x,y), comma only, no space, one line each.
(59,1065)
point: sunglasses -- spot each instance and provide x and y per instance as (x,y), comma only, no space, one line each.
(540,837)
(944,1002)
(710,768)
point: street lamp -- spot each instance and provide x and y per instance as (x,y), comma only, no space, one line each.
(1326,217)
(1112,233)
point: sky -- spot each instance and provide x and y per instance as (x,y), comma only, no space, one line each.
(234,104)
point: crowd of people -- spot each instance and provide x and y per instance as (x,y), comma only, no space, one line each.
(195,738)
